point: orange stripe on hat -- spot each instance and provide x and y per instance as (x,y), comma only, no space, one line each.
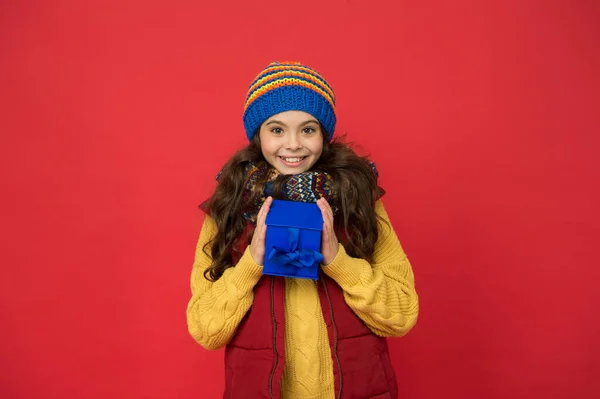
(288,82)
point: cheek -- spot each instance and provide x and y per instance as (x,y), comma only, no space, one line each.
(266,145)
(316,147)
(268,149)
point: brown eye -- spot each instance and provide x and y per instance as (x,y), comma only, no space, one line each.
(277,130)
(308,130)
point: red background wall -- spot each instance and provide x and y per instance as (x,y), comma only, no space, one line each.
(481,115)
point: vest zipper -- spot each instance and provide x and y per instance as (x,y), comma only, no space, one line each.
(274,336)
(335,338)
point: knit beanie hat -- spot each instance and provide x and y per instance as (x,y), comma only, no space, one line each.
(289,86)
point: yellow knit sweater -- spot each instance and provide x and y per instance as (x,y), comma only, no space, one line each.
(382,294)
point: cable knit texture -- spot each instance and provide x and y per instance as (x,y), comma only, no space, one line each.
(308,368)
(381,294)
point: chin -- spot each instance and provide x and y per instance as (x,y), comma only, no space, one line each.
(290,171)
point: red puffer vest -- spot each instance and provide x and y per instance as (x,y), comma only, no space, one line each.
(254,359)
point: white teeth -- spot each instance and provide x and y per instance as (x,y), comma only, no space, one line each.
(292,160)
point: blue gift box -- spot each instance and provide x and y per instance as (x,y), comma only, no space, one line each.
(293,241)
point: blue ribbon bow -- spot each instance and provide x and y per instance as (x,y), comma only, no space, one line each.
(292,256)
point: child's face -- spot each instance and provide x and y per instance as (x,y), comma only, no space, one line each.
(291,141)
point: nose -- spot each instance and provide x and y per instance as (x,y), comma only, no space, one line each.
(293,142)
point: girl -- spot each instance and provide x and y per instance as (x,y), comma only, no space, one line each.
(290,337)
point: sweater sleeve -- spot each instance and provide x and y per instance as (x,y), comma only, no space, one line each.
(216,308)
(382,294)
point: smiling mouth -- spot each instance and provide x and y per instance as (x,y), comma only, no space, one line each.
(292,162)
(292,159)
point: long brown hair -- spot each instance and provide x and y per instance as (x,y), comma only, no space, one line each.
(353,178)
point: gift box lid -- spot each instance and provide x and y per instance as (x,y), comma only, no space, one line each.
(302,215)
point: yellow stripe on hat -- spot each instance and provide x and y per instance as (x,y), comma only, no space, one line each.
(289,72)
(288,82)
